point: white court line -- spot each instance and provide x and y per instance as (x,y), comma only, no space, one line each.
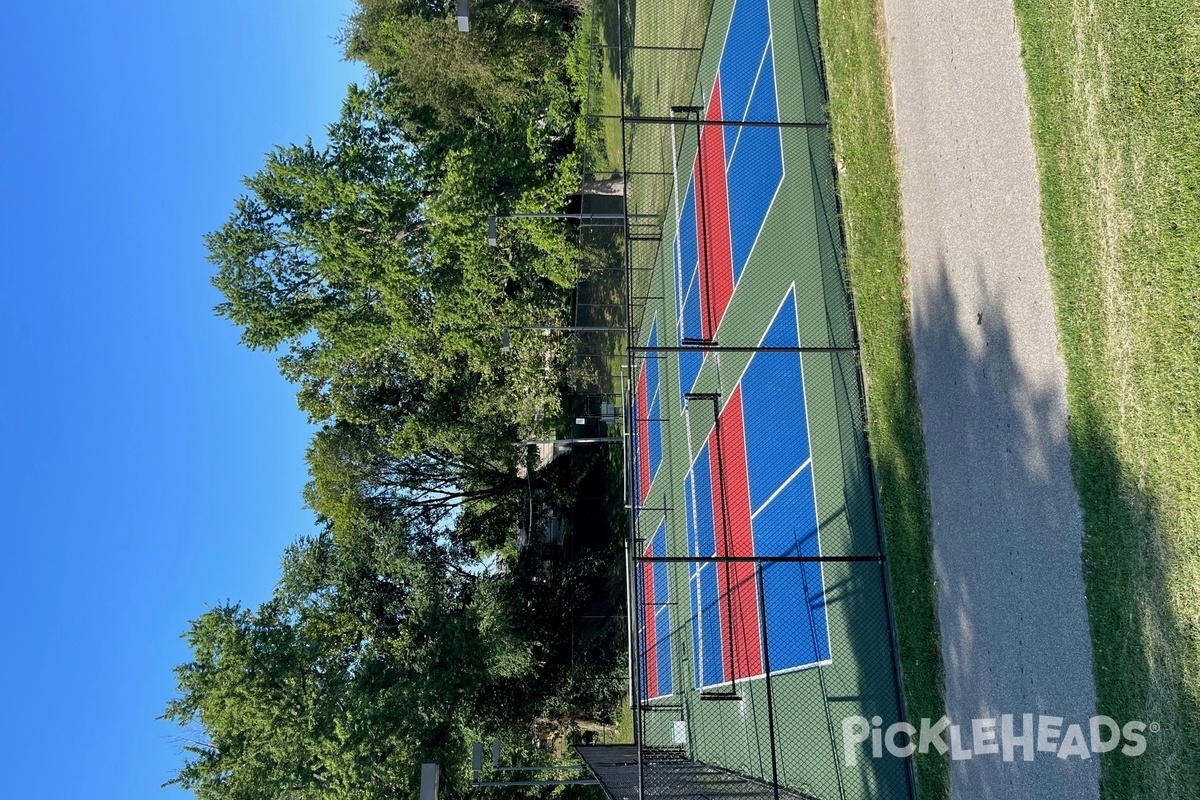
(750,99)
(782,161)
(774,672)
(745,112)
(679,319)
(807,428)
(678,248)
(782,486)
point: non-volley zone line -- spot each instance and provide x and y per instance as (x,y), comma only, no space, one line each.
(647,414)
(733,183)
(750,492)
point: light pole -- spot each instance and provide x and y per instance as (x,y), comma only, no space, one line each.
(493,239)
(506,340)
(430,774)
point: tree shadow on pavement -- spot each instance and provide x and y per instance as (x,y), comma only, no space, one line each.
(1007,538)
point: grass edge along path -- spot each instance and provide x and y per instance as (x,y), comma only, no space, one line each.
(1114,98)
(869,189)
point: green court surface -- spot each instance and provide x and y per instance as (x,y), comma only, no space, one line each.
(741,451)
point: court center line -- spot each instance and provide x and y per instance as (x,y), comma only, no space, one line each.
(749,101)
(782,486)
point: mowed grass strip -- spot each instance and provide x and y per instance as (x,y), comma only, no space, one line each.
(1114,87)
(607,84)
(657,79)
(869,188)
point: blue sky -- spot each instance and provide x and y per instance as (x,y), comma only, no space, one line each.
(151,466)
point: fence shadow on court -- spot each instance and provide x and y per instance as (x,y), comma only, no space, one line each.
(761,619)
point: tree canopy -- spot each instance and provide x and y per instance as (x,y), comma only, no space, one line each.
(408,624)
(377,652)
(365,260)
(365,661)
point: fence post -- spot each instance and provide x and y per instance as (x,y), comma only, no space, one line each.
(762,621)
(837,770)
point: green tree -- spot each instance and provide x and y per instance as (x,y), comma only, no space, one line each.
(367,661)
(329,241)
(358,476)
(443,82)
(367,263)
(364,263)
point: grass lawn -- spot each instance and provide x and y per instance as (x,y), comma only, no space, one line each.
(655,80)
(1115,91)
(869,187)
(606,85)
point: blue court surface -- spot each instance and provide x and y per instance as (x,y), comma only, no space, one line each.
(654,632)
(750,492)
(741,452)
(647,411)
(749,488)
(714,237)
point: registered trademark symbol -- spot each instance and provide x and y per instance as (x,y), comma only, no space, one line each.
(1155,727)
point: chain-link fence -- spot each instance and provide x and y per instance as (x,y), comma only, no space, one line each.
(763,652)
(762,615)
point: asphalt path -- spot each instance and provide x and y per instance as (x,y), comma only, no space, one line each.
(1007,525)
